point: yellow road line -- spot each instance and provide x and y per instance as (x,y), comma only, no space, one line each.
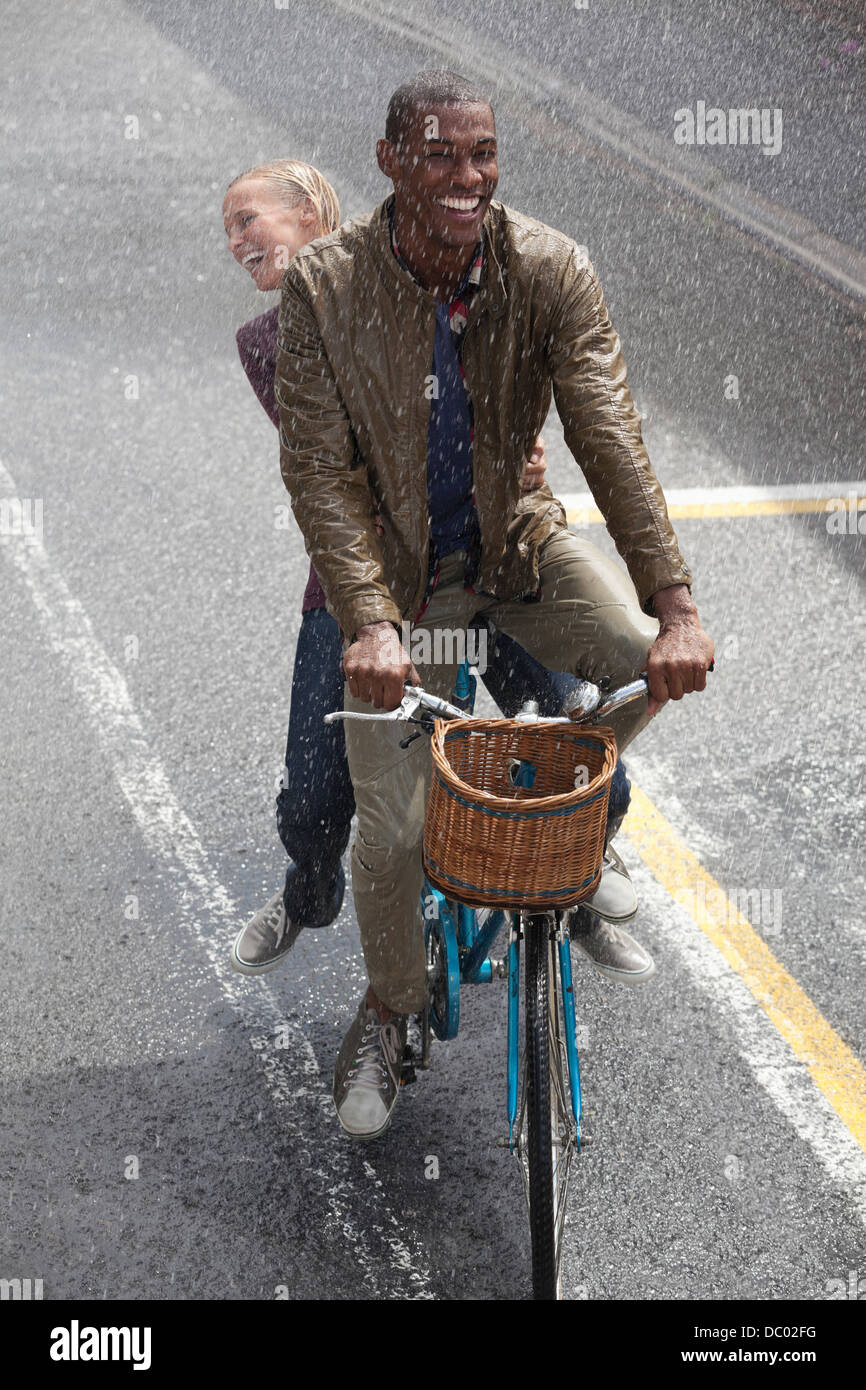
(835,1070)
(776,506)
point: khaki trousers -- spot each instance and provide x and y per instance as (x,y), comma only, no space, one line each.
(587,621)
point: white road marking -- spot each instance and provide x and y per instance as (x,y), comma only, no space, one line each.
(169,832)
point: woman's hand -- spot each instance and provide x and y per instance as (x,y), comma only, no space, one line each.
(535,469)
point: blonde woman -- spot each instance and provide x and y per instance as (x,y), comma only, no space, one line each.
(269,213)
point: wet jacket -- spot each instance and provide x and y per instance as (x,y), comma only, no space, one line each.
(353,391)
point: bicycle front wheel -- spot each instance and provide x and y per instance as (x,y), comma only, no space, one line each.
(541,1189)
(547,1130)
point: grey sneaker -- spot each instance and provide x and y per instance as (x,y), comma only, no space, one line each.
(265,940)
(614,899)
(612,951)
(367,1073)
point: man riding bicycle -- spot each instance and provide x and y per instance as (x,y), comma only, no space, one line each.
(419,346)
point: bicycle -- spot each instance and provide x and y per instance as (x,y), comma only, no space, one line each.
(543,1094)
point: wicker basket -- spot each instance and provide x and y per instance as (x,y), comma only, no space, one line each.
(517,811)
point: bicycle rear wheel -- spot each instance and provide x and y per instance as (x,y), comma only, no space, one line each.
(547,1131)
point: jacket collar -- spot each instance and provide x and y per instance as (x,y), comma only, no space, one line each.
(491,294)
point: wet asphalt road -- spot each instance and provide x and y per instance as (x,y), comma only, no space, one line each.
(165,1135)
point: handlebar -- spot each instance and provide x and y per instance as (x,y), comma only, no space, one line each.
(585,705)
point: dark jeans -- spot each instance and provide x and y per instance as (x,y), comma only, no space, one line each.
(316,804)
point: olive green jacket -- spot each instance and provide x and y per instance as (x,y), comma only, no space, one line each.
(353,385)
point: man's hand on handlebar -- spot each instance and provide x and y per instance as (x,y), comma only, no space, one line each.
(682,653)
(377,665)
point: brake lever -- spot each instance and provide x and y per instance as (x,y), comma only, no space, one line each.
(405,711)
(389,715)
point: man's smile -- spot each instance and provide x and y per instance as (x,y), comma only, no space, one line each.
(462,209)
(460,204)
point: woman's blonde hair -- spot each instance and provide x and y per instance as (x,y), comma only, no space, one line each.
(293,181)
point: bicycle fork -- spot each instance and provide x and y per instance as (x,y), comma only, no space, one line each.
(561,954)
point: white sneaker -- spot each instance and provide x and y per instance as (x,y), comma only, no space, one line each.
(367,1073)
(265,940)
(614,899)
(613,952)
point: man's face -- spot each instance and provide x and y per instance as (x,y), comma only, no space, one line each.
(445,171)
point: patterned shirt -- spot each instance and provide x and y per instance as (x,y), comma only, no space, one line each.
(450,486)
